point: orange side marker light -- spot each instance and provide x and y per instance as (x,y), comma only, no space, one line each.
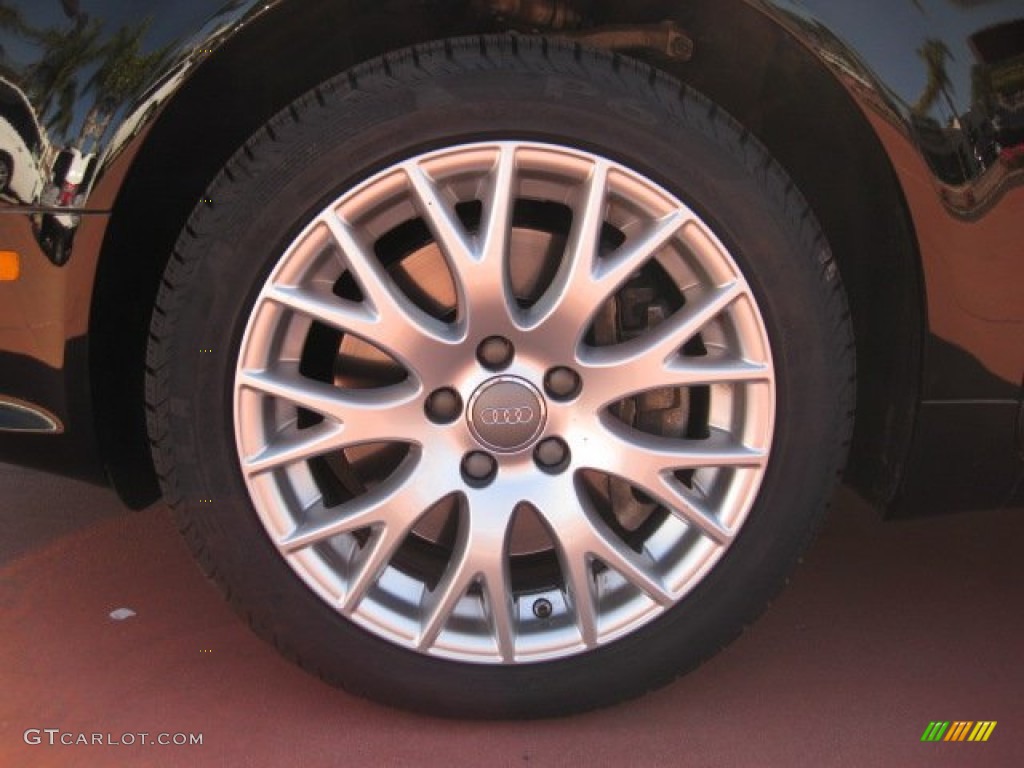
(10,266)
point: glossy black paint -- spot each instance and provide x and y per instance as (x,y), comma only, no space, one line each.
(900,120)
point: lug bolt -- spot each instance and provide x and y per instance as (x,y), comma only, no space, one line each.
(552,454)
(562,383)
(542,608)
(443,406)
(495,352)
(479,468)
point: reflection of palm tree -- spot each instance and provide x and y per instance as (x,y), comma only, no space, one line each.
(935,54)
(12,21)
(10,18)
(54,80)
(122,74)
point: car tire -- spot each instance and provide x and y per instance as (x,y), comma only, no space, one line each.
(516,491)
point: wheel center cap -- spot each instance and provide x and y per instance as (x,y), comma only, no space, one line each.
(506,413)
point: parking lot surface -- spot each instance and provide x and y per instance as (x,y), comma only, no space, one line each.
(885,628)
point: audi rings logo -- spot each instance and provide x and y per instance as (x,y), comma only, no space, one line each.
(506,413)
(493,417)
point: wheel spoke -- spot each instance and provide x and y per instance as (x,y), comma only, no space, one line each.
(568,299)
(365,416)
(439,215)
(664,340)
(411,343)
(396,503)
(585,237)
(497,215)
(614,270)
(635,568)
(479,270)
(377,552)
(613,374)
(630,451)
(387,318)
(581,536)
(349,316)
(389,511)
(675,497)
(697,372)
(590,538)
(578,573)
(585,281)
(501,607)
(648,462)
(297,445)
(480,556)
(486,287)
(440,603)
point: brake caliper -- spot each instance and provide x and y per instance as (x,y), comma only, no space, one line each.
(637,308)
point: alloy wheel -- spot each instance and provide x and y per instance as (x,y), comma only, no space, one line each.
(504,402)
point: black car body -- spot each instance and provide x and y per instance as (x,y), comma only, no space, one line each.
(901,122)
(921,188)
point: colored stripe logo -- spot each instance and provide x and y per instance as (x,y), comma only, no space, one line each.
(958,730)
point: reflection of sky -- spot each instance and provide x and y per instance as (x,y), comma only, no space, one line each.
(114,14)
(889,40)
(174,23)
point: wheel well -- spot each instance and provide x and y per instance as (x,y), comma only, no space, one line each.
(742,60)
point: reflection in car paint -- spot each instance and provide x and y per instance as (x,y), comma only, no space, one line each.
(78,65)
(23,146)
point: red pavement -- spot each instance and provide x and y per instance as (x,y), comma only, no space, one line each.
(886,627)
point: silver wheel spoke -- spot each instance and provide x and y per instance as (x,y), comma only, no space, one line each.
(364,416)
(684,505)
(578,572)
(410,343)
(631,451)
(650,360)
(648,462)
(479,271)
(581,537)
(696,371)
(607,547)
(440,216)
(348,316)
(390,319)
(568,300)
(585,281)
(613,376)
(389,511)
(376,556)
(298,445)
(484,281)
(497,216)
(559,503)
(665,339)
(613,271)
(396,503)
(480,557)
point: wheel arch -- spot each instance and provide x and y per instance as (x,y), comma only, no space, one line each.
(280,55)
